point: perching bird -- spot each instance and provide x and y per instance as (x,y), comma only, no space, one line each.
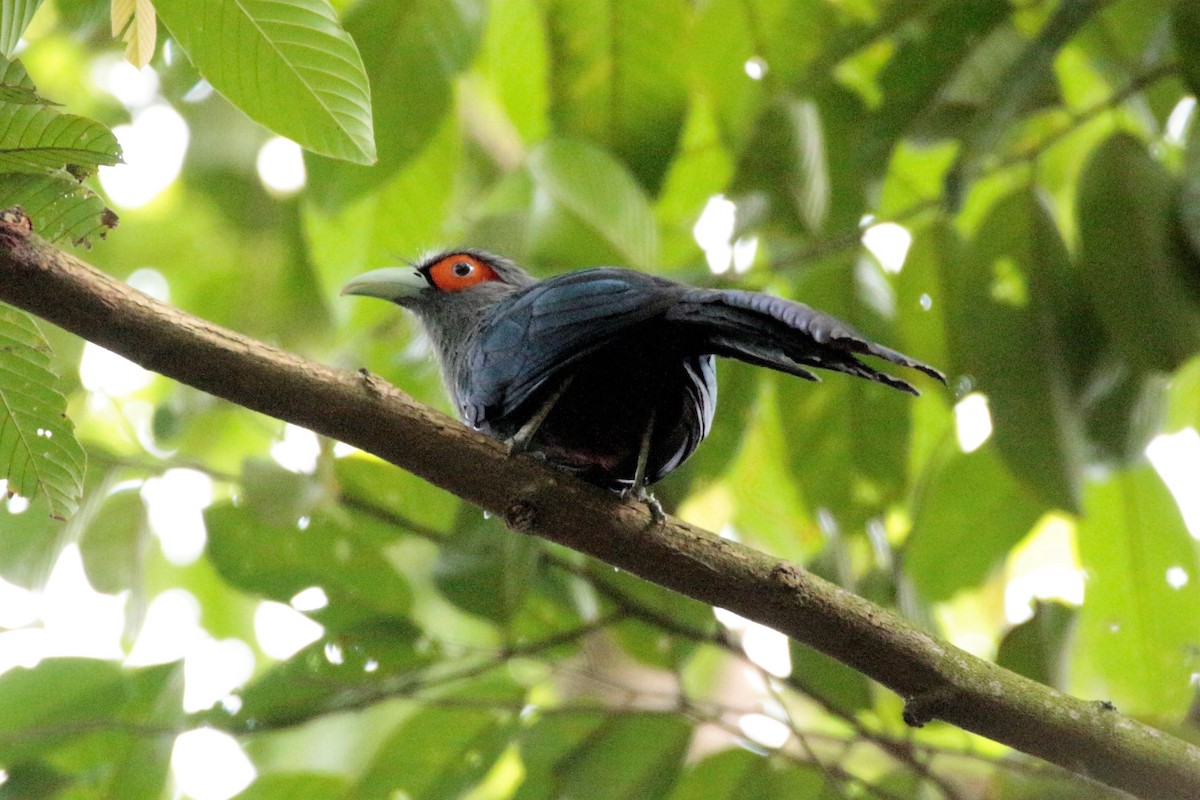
(608,373)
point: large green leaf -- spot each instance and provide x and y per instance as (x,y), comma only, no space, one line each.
(1185,18)
(1006,338)
(484,568)
(617,79)
(17,87)
(105,728)
(1038,647)
(647,642)
(38,451)
(588,209)
(1140,621)
(1132,260)
(412,50)
(769,506)
(381,485)
(1189,194)
(969,511)
(113,541)
(355,664)
(397,220)
(1019,77)
(929,54)
(60,208)
(845,437)
(296,786)
(617,757)
(59,697)
(441,752)
(1183,398)
(787,155)
(30,543)
(742,775)
(36,138)
(278,560)
(743,52)
(515,61)
(13,21)
(287,64)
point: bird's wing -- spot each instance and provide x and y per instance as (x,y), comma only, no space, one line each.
(783,335)
(529,338)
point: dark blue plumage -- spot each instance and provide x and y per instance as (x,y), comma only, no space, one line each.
(608,372)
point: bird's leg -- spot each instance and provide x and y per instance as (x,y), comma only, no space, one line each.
(638,489)
(521,439)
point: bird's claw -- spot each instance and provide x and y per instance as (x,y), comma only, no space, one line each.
(516,446)
(657,515)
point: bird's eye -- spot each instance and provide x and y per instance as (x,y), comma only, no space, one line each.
(459,271)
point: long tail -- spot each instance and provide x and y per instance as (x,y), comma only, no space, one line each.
(786,336)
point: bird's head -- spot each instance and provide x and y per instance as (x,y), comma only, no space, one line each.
(459,278)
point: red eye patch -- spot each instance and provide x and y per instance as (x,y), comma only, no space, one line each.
(460,271)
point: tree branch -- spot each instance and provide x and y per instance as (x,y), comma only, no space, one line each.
(937,680)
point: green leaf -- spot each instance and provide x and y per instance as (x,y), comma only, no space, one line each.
(38,451)
(13,22)
(484,568)
(1132,262)
(286,63)
(61,209)
(276,494)
(16,86)
(102,727)
(1183,398)
(412,50)
(969,511)
(342,556)
(743,775)
(1185,25)
(781,38)
(58,697)
(845,427)
(587,209)
(1020,82)
(929,53)
(33,780)
(828,679)
(397,219)
(36,138)
(440,753)
(769,503)
(358,662)
(788,156)
(113,541)
(1189,194)
(629,756)
(647,642)
(514,60)
(1039,646)
(617,79)
(29,544)
(1140,620)
(1008,342)
(136,766)
(296,786)
(393,490)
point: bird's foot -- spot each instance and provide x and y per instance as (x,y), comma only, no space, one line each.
(642,494)
(516,445)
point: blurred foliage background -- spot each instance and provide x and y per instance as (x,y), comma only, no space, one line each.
(1006,189)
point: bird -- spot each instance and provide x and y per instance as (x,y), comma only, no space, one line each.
(607,372)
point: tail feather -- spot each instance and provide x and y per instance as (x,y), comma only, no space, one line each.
(787,336)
